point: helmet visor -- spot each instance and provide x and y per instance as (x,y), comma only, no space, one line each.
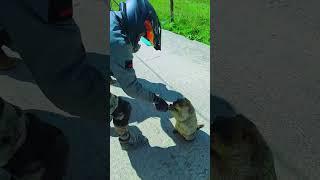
(153,34)
(149,32)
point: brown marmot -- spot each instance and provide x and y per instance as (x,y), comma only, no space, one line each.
(239,151)
(186,119)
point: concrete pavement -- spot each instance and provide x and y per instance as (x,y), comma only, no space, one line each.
(180,69)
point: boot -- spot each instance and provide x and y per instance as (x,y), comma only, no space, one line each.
(130,140)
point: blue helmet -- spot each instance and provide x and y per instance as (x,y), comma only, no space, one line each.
(140,17)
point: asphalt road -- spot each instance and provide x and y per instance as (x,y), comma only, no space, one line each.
(266,64)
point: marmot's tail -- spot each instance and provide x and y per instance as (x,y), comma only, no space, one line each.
(200,126)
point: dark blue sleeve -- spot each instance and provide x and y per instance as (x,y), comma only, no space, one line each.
(55,55)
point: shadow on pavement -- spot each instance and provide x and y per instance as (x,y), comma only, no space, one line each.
(185,160)
(143,110)
(88,154)
(161,90)
(182,160)
(158,88)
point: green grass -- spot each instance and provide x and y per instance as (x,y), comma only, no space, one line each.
(191,18)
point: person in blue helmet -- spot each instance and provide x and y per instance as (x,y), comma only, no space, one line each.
(135,18)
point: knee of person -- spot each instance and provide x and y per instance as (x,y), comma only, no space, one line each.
(121,115)
(124,107)
(124,103)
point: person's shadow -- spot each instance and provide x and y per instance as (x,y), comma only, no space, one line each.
(143,110)
(158,88)
(184,160)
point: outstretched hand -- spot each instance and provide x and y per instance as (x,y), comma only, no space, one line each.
(160,104)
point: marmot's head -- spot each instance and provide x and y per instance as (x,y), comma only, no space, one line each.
(181,108)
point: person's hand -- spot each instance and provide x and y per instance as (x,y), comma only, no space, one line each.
(161,105)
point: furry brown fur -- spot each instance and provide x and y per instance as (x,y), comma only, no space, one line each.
(239,151)
(186,119)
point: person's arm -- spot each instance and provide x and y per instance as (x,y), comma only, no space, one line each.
(55,55)
(122,67)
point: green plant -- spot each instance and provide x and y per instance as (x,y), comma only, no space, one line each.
(191,17)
